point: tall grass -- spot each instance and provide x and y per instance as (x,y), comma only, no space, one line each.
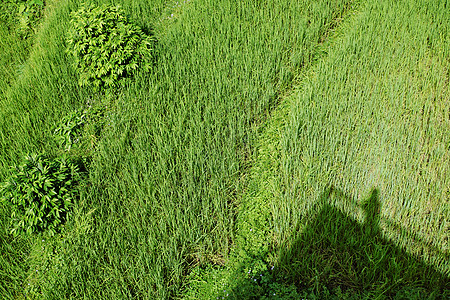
(162,186)
(372,115)
(14,50)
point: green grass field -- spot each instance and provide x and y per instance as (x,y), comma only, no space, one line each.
(277,150)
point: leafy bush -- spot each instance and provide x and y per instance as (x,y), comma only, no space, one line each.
(8,10)
(41,193)
(106,47)
(69,130)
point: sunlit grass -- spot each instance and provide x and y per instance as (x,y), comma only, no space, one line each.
(14,50)
(373,114)
(164,180)
(182,177)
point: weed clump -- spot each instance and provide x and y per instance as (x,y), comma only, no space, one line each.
(41,192)
(106,47)
(29,14)
(79,129)
(23,16)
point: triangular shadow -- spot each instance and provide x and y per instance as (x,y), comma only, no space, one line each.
(339,253)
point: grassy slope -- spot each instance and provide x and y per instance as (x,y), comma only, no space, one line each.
(14,53)
(375,116)
(162,182)
(371,119)
(14,50)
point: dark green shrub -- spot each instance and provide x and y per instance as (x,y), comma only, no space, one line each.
(41,192)
(106,47)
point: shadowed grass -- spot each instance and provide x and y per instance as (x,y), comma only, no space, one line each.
(371,114)
(340,253)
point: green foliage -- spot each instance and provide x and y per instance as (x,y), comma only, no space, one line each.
(41,193)
(208,282)
(29,13)
(80,128)
(7,15)
(106,47)
(167,175)
(22,14)
(69,130)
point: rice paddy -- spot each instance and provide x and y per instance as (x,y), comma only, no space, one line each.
(277,150)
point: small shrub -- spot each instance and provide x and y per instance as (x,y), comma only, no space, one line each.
(41,192)
(8,11)
(106,47)
(68,132)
